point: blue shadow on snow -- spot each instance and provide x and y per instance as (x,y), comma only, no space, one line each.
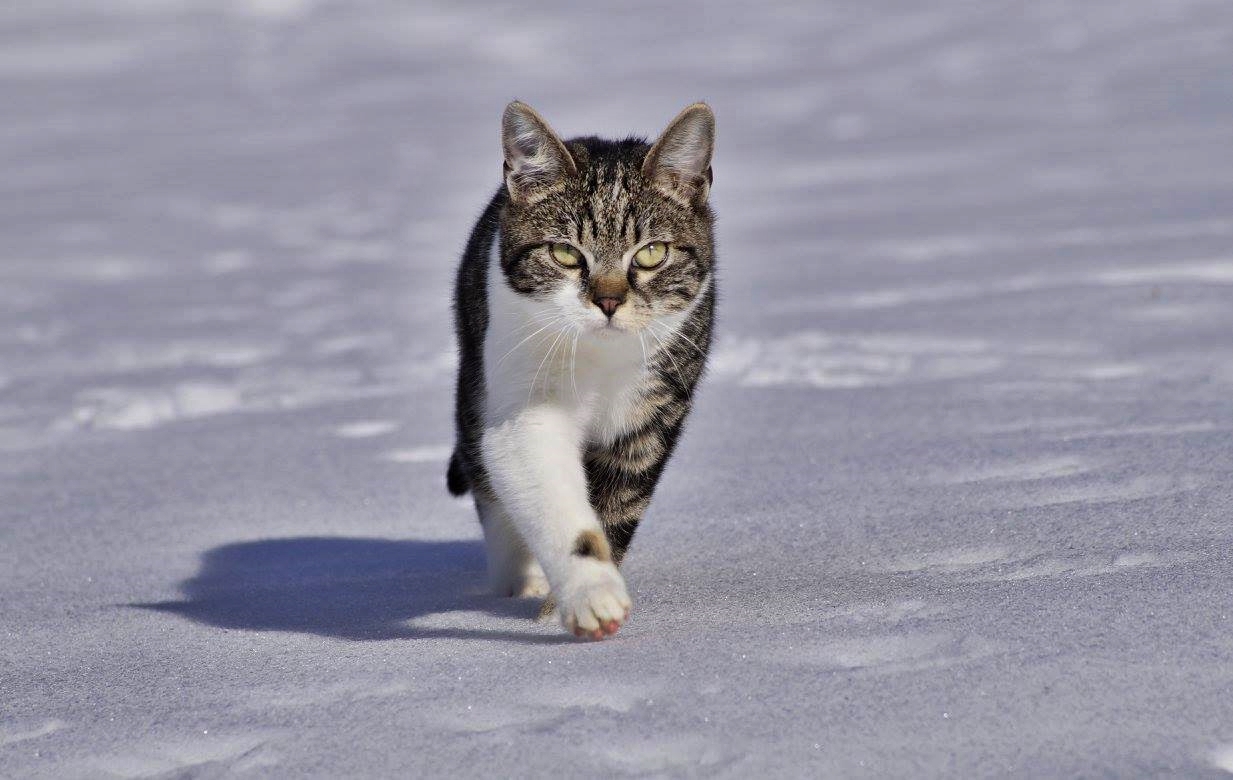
(347,588)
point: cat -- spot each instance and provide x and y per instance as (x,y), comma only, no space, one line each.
(584,306)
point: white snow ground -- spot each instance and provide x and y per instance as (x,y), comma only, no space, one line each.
(955,501)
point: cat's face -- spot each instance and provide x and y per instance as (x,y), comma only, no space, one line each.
(608,237)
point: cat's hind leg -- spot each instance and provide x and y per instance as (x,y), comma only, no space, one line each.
(512,569)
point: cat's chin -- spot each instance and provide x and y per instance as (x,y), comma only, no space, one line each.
(609,330)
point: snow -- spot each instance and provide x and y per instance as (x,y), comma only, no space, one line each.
(955,499)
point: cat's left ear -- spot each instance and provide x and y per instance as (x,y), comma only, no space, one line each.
(536,161)
(679,163)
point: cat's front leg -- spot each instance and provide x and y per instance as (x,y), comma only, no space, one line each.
(534,462)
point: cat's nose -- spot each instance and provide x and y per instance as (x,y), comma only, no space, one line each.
(608,304)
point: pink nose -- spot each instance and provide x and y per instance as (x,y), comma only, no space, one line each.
(608,305)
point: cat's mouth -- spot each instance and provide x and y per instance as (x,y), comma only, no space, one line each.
(609,329)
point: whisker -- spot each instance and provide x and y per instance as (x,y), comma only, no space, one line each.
(663,348)
(536,319)
(573,362)
(681,335)
(555,321)
(535,379)
(564,351)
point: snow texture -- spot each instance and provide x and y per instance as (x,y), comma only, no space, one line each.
(954,502)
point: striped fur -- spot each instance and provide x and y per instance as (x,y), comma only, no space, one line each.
(567,415)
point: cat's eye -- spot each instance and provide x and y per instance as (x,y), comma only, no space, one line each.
(651,255)
(566,255)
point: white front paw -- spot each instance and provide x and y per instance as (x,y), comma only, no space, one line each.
(593,602)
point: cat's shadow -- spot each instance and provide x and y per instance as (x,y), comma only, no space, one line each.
(348,588)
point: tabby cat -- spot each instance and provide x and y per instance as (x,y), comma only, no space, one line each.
(583,307)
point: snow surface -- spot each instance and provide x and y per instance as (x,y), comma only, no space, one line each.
(955,501)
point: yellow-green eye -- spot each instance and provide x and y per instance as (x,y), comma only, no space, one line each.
(651,255)
(566,255)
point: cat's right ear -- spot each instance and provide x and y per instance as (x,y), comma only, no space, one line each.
(536,161)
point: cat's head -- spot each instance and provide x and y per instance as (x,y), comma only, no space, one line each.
(608,236)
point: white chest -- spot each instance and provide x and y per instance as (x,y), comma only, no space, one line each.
(533,357)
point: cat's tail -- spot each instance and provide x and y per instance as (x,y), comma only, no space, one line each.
(455,478)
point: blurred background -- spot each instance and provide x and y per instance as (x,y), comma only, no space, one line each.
(967,426)
(269,196)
